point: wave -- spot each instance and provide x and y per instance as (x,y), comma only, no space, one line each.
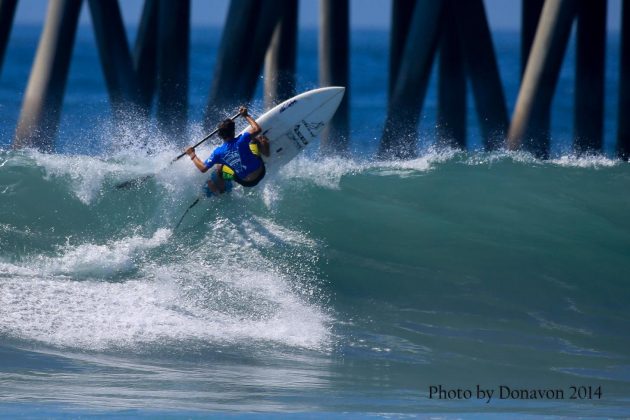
(84,265)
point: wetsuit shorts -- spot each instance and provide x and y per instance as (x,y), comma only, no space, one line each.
(253,182)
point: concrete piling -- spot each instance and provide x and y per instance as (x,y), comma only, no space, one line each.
(402,12)
(145,55)
(225,92)
(401,124)
(530,16)
(280,58)
(589,76)
(7,12)
(242,50)
(41,109)
(481,66)
(469,46)
(451,115)
(531,120)
(269,15)
(623,117)
(334,69)
(115,56)
(173,57)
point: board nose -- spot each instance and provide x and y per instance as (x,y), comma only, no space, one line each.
(333,91)
(331,94)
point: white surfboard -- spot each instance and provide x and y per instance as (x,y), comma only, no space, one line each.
(296,122)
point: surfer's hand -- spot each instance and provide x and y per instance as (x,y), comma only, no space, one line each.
(243,111)
(264,145)
(190,152)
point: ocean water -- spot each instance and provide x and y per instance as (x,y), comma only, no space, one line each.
(342,287)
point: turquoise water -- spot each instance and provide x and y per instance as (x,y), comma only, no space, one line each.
(341,287)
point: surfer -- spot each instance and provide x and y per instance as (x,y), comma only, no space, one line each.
(238,158)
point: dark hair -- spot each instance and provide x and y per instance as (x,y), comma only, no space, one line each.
(226,129)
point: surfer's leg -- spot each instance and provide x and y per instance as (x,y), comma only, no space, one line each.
(212,187)
(216,184)
(219,179)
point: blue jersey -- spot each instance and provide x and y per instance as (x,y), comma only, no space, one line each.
(237,155)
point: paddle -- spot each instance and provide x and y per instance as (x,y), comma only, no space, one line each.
(140,180)
(206,194)
(186,212)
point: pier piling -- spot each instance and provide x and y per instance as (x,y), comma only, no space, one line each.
(225,92)
(145,55)
(269,15)
(531,120)
(401,124)
(173,56)
(115,56)
(589,76)
(280,59)
(481,66)
(623,117)
(402,12)
(41,108)
(530,16)
(7,12)
(334,69)
(241,55)
(451,114)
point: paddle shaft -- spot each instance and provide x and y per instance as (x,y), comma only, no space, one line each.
(186,212)
(235,116)
(137,181)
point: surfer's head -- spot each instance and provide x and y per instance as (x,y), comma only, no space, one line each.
(226,129)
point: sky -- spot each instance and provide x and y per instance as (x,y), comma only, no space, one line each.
(502,14)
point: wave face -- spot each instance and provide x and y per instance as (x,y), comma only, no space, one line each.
(91,267)
(337,277)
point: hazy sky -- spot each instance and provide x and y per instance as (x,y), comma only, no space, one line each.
(502,14)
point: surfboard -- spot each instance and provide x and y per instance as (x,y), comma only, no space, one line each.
(292,125)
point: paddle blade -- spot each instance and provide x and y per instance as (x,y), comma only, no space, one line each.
(133,183)
(186,212)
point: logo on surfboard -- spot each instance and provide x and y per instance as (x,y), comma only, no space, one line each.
(297,137)
(313,128)
(288,105)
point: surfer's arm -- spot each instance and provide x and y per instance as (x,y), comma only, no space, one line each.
(263,144)
(254,127)
(198,163)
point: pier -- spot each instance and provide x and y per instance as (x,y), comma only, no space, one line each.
(151,77)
